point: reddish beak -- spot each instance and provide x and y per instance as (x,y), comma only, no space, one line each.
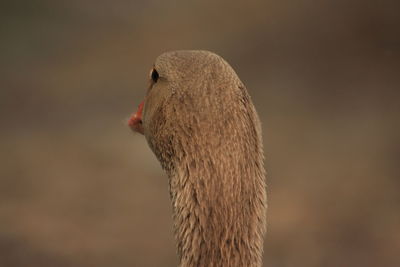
(135,122)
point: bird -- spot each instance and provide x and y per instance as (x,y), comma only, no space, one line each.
(200,122)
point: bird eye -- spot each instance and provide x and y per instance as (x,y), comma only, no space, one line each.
(154,75)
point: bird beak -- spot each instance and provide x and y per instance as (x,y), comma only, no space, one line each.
(135,122)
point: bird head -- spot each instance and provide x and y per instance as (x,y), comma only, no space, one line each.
(192,95)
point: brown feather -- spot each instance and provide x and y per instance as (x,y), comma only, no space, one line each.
(200,122)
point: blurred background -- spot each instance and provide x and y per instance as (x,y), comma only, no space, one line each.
(78,188)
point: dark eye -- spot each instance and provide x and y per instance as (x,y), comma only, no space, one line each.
(154,75)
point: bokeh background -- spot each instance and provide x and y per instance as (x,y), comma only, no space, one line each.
(78,188)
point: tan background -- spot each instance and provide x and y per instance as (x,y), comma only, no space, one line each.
(77,188)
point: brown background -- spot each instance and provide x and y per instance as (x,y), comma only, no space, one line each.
(77,188)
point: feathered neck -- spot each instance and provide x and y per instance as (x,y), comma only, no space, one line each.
(217,187)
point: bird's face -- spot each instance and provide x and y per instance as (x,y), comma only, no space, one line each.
(157,114)
(190,91)
(158,91)
(172,74)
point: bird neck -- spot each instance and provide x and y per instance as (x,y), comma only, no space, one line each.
(219,210)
